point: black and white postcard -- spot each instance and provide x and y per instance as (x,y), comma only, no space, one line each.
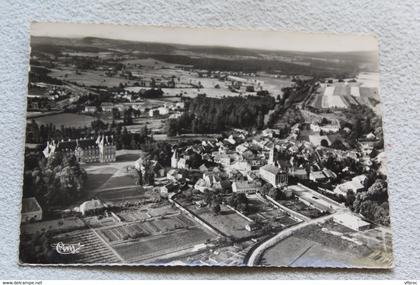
(203,147)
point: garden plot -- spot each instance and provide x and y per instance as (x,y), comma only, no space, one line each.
(153,247)
(94,249)
(227,221)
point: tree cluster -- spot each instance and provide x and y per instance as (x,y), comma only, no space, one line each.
(214,115)
(57,180)
(373,203)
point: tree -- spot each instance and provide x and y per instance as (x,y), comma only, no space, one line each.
(260,120)
(373,204)
(216,209)
(171,127)
(226,186)
(116,113)
(208,196)
(350,198)
(140,177)
(128,116)
(274,193)
(324,143)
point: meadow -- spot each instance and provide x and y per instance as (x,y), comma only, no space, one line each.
(66,119)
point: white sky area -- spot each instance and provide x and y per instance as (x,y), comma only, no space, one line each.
(252,39)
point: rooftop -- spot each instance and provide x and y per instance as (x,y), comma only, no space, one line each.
(245,184)
(350,219)
(271,168)
(30,205)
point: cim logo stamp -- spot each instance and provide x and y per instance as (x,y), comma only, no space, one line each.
(71,248)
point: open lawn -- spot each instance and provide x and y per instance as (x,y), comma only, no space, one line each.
(228,221)
(66,119)
(114,182)
(89,78)
(150,248)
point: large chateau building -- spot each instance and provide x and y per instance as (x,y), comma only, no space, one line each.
(86,150)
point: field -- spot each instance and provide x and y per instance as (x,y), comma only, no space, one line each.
(328,245)
(360,245)
(94,250)
(120,233)
(153,247)
(113,182)
(66,119)
(342,95)
(228,221)
(301,208)
(332,97)
(154,124)
(297,252)
(264,212)
(274,85)
(89,78)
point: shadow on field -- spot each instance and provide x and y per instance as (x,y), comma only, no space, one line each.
(128,157)
(95,180)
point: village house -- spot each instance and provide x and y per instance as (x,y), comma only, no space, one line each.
(90,109)
(175,115)
(317,176)
(351,221)
(241,166)
(246,187)
(163,110)
(318,140)
(270,133)
(356,184)
(242,148)
(178,162)
(107,107)
(222,158)
(180,105)
(174,175)
(250,227)
(153,112)
(299,173)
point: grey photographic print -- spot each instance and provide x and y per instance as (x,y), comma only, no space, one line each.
(216,147)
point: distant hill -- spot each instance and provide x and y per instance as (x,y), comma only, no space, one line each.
(289,62)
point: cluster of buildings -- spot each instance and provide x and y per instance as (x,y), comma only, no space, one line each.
(166,109)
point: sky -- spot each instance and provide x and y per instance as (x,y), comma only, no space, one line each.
(252,39)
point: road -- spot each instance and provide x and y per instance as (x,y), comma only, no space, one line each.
(258,251)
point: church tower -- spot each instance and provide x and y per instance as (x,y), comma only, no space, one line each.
(174,159)
(271,157)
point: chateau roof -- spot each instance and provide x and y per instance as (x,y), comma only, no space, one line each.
(83,143)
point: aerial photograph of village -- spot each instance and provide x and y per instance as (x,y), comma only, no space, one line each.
(145,148)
